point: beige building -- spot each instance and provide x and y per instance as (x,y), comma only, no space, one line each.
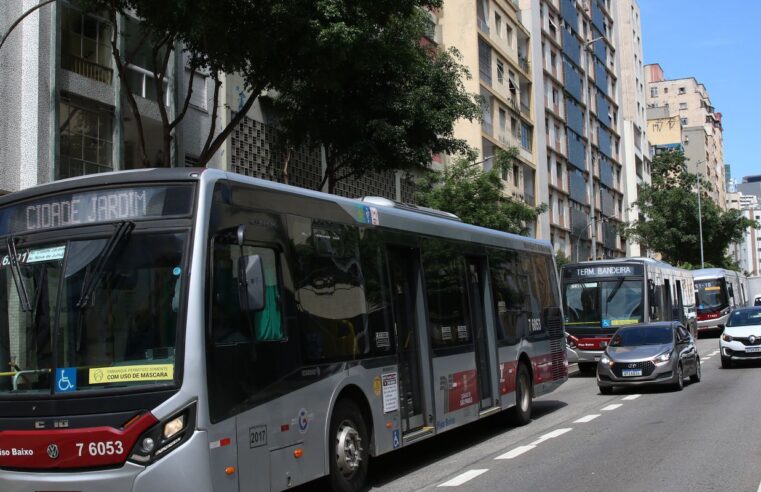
(495,46)
(703,145)
(664,129)
(635,158)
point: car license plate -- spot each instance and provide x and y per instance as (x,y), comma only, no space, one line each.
(753,349)
(631,372)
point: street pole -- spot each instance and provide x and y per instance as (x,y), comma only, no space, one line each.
(23,16)
(700,224)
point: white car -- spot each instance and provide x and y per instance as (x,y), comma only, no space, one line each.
(741,339)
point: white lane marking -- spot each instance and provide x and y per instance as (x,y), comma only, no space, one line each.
(555,433)
(463,477)
(631,397)
(707,358)
(514,453)
(586,418)
(612,407)
(714,352)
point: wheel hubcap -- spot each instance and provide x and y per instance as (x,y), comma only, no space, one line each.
(348,448)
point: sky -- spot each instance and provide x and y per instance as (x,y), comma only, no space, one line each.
(717,42)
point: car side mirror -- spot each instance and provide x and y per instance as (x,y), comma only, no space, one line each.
(251,283)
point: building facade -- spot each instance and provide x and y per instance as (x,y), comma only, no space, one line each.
(636,151)
(703,144)
(68,114)
(496,47)
(577,43)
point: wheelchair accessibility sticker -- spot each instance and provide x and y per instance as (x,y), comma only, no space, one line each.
(66,379)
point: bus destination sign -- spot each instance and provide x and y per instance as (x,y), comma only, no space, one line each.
(606,271)
(92,207)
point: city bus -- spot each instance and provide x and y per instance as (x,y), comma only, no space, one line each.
(175,329)
(718,291)
(601,296)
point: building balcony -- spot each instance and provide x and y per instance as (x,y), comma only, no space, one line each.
(88,69)
(524,63)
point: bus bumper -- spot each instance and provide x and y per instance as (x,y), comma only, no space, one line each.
(588,355)
(713,324)
(184,468)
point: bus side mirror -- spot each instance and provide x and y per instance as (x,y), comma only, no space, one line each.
(251,283)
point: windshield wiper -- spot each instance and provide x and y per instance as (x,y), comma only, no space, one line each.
(16,274)
(613,292)
(92,278)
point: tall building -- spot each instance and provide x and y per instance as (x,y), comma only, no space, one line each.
(664,129)
(635,155)
(495,45)
(579,93)
(702,140)
(64,107)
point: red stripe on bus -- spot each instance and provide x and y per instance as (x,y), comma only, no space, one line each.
(541,367)
(70,448)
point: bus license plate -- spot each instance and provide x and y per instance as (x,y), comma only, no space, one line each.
(753,349)
(631,372)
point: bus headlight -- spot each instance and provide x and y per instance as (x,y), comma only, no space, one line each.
(164,437)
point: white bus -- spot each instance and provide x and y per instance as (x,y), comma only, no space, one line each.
(718,291)
(199,330)
(601,296)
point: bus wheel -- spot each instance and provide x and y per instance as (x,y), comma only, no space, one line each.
(348,431)
(522,410)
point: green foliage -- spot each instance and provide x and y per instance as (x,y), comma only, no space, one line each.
(670,205)
(561,260)
(370,91)
(475,195)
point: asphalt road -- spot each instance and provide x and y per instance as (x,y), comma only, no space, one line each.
(706,437)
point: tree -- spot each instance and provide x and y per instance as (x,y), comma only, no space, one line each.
(352,76)
(373,98)
(671,226)
(475,195)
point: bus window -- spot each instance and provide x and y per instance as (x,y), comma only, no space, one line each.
(330,297)
(445,284)
(508,296)
(377,294)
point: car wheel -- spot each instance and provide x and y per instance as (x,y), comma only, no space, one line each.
(726,362)
(521,413)
(348,447)
(695,378)
(679,383)
(606,390)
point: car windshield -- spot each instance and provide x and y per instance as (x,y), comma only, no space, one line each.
(711,295)
(642,335)
(91,319)
(745,317)
(607,303)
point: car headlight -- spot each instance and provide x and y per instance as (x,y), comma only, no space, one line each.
(664,357)
(726,338)
(605,360)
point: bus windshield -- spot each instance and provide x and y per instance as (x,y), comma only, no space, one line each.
(711,295)
(607,303)
(86,314)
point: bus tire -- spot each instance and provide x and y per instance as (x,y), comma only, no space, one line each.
(348,448)
(521,413)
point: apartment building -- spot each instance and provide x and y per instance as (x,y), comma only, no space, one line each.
(664,129)
(636,151)
(64,107)
(496,47)
(702,141)
(579,93)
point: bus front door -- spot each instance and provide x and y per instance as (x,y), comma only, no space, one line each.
(483,354)
(404,274)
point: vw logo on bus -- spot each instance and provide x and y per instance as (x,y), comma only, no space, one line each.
(53,451)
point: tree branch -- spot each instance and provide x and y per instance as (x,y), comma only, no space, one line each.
(219,140)
(122,71)
(213,125)
(186,103)
(23,16)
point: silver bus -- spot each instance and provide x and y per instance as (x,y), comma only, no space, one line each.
(178,329)
(601,296)
(718,291)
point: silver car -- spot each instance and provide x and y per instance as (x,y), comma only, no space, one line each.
(649,353)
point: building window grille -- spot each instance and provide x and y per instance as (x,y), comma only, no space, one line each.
(86,45)
(86,139)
